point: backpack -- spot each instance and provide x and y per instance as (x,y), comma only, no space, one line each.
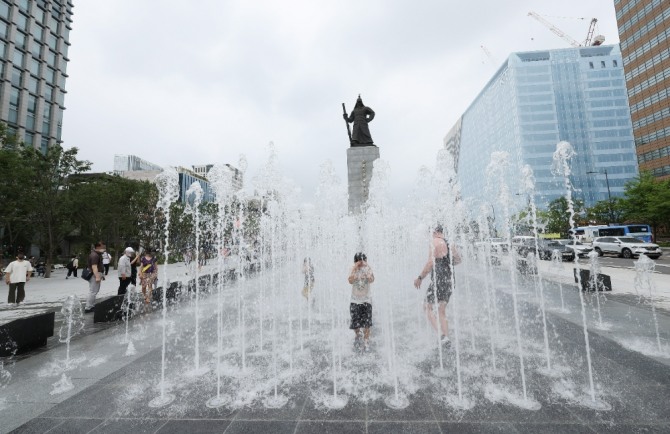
(70,265)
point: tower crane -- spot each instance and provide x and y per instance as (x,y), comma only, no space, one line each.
(555,29)
(590,39)
(489,55)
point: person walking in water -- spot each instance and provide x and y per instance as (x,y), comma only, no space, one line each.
(360,278)
(439,267)
(308,271)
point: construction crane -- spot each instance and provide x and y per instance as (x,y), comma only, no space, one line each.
(590,40)
(489,55)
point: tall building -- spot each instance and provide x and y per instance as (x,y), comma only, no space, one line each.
(128,163)
(236,174)
(644,32)
(34,42)
(537,99)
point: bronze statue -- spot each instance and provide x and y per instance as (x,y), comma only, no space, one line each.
(360,116)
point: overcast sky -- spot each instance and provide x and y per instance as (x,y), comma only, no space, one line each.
(203,81)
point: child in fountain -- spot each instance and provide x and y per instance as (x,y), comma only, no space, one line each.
(148,274)
(360,278)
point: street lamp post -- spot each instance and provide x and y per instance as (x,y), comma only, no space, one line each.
(609,193)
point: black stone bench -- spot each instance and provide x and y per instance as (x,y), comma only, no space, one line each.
(603,281)
(108,309)
(173,293)
(25,334)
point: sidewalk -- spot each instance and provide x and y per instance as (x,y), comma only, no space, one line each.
(623,280)
(44,294)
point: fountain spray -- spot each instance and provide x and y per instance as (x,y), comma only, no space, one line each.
(168,193)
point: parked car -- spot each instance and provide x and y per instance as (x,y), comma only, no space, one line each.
(523,244)
(547,247)
(581,249)
(498,245)
(627,247)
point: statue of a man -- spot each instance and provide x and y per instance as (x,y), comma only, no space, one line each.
(360,116)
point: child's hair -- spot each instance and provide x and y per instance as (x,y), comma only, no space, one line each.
(360,256)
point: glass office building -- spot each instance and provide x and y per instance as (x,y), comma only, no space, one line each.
(34,42)
(537,99)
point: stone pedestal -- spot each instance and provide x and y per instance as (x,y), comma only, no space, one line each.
(359,165)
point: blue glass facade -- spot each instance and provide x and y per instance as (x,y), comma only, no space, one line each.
(537,99)
(185,181)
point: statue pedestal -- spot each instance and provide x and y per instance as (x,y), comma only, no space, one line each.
(359,165)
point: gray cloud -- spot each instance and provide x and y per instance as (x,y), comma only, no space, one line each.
(195,82)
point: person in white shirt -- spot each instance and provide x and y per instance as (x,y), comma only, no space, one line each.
(124,270)
(361,277)
(17,274)
(106,260)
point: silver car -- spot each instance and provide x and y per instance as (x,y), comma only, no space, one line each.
(627,247)
(581,249)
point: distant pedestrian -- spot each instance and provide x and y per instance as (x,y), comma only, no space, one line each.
(17,274)
(148,274)
(94,264)
(72,266)
(360,308)
(106,260)
(125,270)
(308,271)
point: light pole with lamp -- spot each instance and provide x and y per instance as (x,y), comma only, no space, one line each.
(609,193)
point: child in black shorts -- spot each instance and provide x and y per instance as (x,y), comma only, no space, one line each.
(361,277)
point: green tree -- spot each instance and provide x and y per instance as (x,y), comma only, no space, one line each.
(49,197)
(647,200)
(604,212)
(557,216)
(126,210)
(15,190)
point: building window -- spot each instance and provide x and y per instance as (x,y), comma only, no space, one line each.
(22,22)
(38,32)
(615,63)
(18,58)
(602,63)
(24,5)
(50,75)
(3,29)
(36,49)
(20,40)
(591,65)
(31,112)
(33,84)
(16,76)
(3,49)
(30,139)
(39,15)
(52,40)
(14,100)
(4,10)
(35,67)
(48,93)
(44,144)
(46,119)
(51,58)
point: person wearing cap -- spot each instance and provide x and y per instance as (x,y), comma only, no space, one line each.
(124,270)
(360,308)
(17,274)
(439,267)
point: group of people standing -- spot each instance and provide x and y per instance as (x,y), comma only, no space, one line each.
(439,267)
(129,267)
